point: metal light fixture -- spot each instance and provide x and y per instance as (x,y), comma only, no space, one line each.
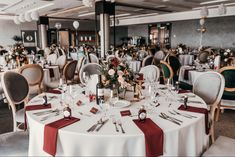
(58,25)
(76,26)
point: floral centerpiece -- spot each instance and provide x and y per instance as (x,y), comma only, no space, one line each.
(117,74)
(17,54)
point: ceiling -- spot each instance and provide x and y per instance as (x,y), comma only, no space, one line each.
(76,9)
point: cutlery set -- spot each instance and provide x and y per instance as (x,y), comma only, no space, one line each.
(49,113)
(120,125)
(171,119)
(182,114)
(99,124)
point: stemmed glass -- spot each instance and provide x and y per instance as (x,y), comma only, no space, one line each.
(105,108)
(86,78)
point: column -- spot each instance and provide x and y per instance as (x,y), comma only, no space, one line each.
(43,34)
(104,33)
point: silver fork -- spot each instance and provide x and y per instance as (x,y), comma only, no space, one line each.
(120,124)
(92,128)
(115,123)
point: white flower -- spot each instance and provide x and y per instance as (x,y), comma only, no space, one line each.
(111,72)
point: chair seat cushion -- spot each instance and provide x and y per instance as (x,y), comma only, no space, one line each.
(34,89)
(223,146)
(228,95)
(14,144)
(20,116)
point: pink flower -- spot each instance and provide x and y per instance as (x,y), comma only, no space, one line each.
(121,79)
(111,72)
(120,73)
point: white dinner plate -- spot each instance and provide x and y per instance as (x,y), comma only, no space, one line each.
(121,104)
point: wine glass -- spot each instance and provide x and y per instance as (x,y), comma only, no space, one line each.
(105,108)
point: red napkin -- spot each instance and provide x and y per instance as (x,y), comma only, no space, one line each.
(51,132)
(181,91)
(125,113)
(54,91)
(198,110)
(94,110)
(153,137)
(33,107)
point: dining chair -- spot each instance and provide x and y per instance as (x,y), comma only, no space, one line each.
(94,58)
(34,75)
(61,61)
(151,72)
(52,58)
(14,143)
(16,90)
(79,66)
(223,146)
(203,87)
(69,71)
(159,55)
(174,62)
(203,56)
(166,71)
(147,61)
(228,98)
(110,57)
(91,69)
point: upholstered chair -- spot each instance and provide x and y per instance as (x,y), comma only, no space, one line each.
(14,144)
(228,98)
(203,56)
(91,69)
(203,87)
(223,146)
(52,58)
(151,72)
(61,61)
(16,89)
(147,61)
(110,57)
(166,71)
(159,55)
(175,65)
(69,71)
(94,58)
(34,75)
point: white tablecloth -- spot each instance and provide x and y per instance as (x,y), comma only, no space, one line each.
(189,139)
(186,59)
(192,75)
(135,65)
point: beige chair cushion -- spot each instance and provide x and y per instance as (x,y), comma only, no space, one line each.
(14,144)
(223,146)
(53,84)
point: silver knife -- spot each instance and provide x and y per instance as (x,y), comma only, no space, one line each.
(102,125)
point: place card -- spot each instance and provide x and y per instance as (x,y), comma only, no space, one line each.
(79,103)
(94,110)
(125,113)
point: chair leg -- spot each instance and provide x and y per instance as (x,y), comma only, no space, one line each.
(212,134)
(217,113)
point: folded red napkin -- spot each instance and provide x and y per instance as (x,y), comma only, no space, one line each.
(181,91)
(153,137)
(51,132)
(125,113)
(198,110)
(33,107)
(54,91)
(94,110)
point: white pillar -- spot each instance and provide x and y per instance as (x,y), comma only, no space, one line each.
(43,33)
(104,33)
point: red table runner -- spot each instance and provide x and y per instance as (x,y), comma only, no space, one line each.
(153,137)
(198,110)
(51,132)
(33,107)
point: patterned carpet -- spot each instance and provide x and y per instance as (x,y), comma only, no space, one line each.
(225,126)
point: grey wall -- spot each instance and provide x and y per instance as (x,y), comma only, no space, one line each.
(8,29)
(220,33)
(138,30)
(121,31)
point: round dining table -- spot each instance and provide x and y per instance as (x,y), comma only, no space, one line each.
(187,139)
